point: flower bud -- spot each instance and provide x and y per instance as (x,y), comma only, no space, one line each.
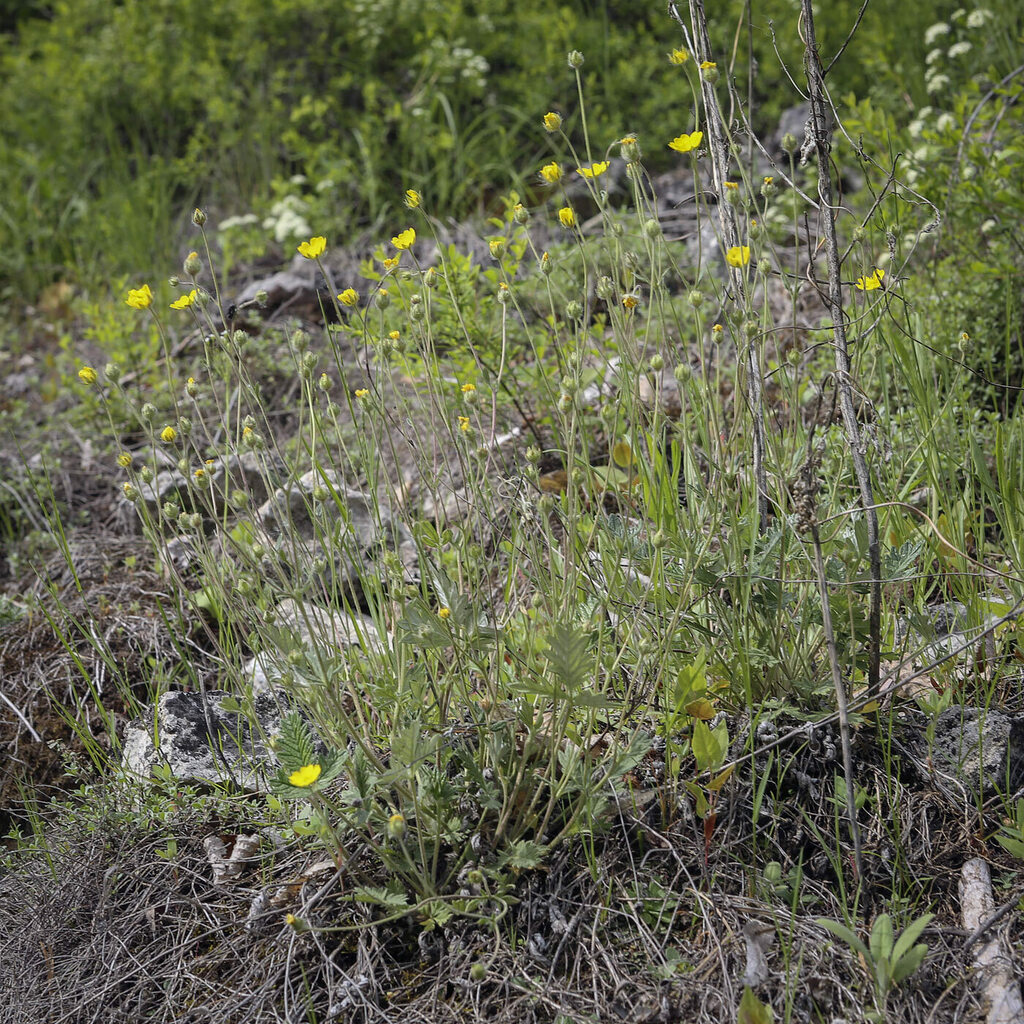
(148,411)
(605,288)
(533,455)
(396,826)
(112,372)
(709,72)
(768,187)
(504,295)
(574,310)
(171,510)
(520,214)
(146,474)
(193,264)
(652,228)
(184,426)
(552,121)
(130,492)
(430,278)
(262,297)
(191,387)
(383,299)
(497,247)
(183,467)
(198,217)
(575,59)
(659,540)
(631,261)
(789,143)
(696,298)
(657,362)
(308,363)
(324,383)
(630,149)
(764,266)
(477,972)
(683,373)
(545,264)
(174,280)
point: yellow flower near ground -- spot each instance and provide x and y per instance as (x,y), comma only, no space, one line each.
(404,239)
(552,121)
(686,143)
(678,56)
(567,217)
(168,434)
(630,301)
(412,198)
(361,392)
(305,776)
(87,375)
(185,301)
(349,297)
(139,298)
(871,281)
(738,255)
(124,460)
(467,388)
(390,262)
(708,65)
(313,248)
(443,613)
(464,424)
(729,184)
(594,170)
(551,173)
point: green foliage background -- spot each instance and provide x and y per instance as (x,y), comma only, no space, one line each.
(120,116)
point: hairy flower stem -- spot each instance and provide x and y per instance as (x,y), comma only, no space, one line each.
(821,126)
(718,150)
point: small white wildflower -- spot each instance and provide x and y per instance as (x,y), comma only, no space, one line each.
(988,226)
(937,83)
(934,55)
(915,128)
(944,122)
(959,49)
(936,32)
(958,14)
(976,19)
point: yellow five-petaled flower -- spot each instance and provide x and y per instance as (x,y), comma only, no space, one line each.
(412,198)
(349,297)
(686,143)
(552,121)
(313,248)
(593,170)
(567,217)
(871,281)
(738,255)
(168,434)
(305,776)
(139,298)
(678,56)
(404,239)
(185,301)
(551,173)
(87,375)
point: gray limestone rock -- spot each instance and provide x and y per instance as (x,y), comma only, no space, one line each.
(199,741)
(983,749)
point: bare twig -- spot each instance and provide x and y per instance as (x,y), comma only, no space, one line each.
(820,128)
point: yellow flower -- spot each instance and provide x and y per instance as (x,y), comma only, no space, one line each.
(412,198)
(395,335)
(390,262)
(567,217)
(717,329)
(362,392)
(464,424)
(768,179)
(404,240)
(551,173)
(685,143)
(872,281)
(185,301)
(678,56)
(87,375)
(313,248)
(200,473)
(396,826)
(168,434)
(139,298)
(593,170)
(349,297)
(124,460)
(552,121)
(738,255)
(630,301)
(305,776)
(443,613)
(729,184)
(466,388)
(708,65)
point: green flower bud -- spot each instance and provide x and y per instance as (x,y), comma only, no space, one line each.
(764,266)
(396,826)
(183,467)
(575,59)
(112,372)
(696,298)
(657,362)
(383,299)
(789,143)
(477,972)
(193,264)
(146,474)
(430,278)
(324,383)
(652,228)
(198,217)
(262,297)
(574,310)
(605,287)
(683,373)
(148,411)
(171,510)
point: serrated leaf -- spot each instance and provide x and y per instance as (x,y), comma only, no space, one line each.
(294,745)
(752,1010)
(524,854)
(568,656)
(381,897)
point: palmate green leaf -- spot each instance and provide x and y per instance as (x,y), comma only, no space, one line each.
(524,854)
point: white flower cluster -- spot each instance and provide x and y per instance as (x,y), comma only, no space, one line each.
(287,219)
